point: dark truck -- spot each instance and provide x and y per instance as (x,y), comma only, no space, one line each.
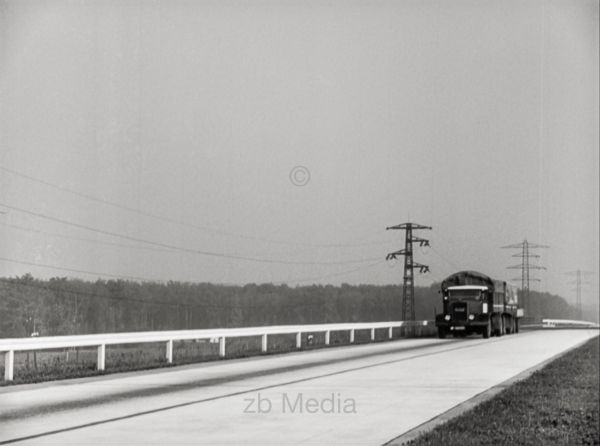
(476,303)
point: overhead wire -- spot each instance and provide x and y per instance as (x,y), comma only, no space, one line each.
(341,273)
(180,248)
(87,294)
(79,271)
(125,298)
(147,280)
(183,223)
(83,239)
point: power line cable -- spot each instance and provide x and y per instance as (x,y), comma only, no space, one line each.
(452,264)
(180,248)
(79,271)
(341,273)
(124,298)
(82,239)
(182,223)
(143,279)
(152,301)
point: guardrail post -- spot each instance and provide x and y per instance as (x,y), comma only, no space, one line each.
(299,340)
(372,334)
(352,336)
(263,346)
(327,337)
(101,356)
(222,347)
(390,331)
(9,365)
(169,354)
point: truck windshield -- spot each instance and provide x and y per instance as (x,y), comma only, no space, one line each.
(465,294)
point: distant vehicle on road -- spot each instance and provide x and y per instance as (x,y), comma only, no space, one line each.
(476,303)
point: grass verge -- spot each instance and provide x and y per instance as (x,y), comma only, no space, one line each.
(557,405)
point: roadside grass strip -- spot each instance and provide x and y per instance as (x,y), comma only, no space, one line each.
(556,405)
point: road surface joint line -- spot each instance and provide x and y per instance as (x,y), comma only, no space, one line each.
(242,392)
(203,382)
(191,366)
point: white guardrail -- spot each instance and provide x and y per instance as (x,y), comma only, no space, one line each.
(100,341)
(557,323)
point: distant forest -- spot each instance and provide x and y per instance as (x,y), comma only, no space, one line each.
(62,306)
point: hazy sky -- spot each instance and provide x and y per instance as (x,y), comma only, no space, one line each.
(178,122)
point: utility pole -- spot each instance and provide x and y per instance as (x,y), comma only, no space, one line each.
(579,275)
(525,266)
(408,293)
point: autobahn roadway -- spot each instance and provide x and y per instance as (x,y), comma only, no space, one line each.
(362,394)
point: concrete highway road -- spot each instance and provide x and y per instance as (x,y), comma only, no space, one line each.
(354,395)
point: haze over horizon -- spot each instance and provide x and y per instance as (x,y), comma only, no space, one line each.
(158,140)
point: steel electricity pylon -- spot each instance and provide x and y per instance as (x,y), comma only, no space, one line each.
(525,266)
(579,275)
(408,293)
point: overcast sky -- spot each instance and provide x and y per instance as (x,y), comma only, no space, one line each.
(155,139)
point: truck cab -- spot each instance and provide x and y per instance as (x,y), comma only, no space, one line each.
(465,310)
(476,303)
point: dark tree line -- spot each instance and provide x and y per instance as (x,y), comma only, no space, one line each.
(61,306)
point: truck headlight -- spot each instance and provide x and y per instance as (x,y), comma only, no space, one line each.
(471,317)
(447,317)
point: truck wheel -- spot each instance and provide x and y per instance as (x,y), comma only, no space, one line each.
(495,325)
(487,331)
(441,333)
(502,327)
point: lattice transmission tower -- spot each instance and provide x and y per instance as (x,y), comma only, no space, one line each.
(525,266)
(408,292)
(578,282)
